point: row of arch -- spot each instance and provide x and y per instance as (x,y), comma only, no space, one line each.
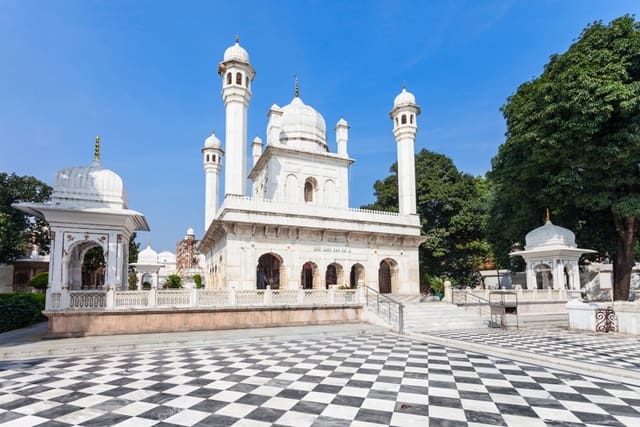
(310,190)
(270,269)
(403,119)
(238,79)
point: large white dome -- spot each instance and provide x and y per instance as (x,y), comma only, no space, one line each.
(550,235)
(148,256)
(303,128)
(236,53)
(89,187)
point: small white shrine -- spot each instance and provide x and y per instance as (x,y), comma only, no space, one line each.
(88,208)
(552,257)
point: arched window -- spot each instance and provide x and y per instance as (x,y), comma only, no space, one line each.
(396,121)
(214,158)
(238,78)
(229,78)
(246,81)
(207,158)
(404,119)
(411,119)
(309,188)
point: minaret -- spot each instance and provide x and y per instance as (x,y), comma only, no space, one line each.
(404,115)
(212,159)
(237,75)
(342,135)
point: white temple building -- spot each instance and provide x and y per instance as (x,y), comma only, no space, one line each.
(552,257)
(294,228)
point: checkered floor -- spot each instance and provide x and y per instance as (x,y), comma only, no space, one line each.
(364,380)
(609,350)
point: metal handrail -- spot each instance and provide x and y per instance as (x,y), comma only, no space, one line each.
(390,302)
(480,301)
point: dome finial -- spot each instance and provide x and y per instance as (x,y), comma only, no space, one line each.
(404,85)
(548,217)
(96,151)
(297,93)
(237,39)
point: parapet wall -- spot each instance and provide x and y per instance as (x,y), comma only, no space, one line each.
(77,324)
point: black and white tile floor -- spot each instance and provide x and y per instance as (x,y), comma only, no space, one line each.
(609,350)
(363,380)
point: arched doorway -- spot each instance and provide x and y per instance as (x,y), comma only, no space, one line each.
(147,281)
(268,271)
(544,277)
(356,277)
(85,267)
(309,277)
(333,275)
(387,276)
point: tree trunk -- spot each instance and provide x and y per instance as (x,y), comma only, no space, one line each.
(626,228)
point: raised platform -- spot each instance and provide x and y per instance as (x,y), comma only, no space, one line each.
(87,323)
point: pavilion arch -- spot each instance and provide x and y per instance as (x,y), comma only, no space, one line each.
(388,276)
(270,271)
(357,276)
(334,275)
(310,276)
(544,276)
(73,267)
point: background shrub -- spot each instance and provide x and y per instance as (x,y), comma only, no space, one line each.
(18,310)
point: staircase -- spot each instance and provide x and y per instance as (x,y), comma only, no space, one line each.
(437,315)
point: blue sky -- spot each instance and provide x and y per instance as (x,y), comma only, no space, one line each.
(142,75)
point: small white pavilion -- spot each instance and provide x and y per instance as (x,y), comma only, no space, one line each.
(147,268)
(88,208)
(552,257)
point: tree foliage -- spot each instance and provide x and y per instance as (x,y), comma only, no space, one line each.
(40,281)
(16,228)
(174,281)
(573,145)
(453,208)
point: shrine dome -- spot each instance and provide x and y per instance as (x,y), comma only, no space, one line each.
(550,235)
(303,128)
(89,187)
(148,256)
(236,53)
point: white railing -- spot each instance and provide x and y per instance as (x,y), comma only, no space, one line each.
(524,295)
(212,298)
(199,298)
(173,298)
(87,300)
(133,299)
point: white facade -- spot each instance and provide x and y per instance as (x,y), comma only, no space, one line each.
(296,229)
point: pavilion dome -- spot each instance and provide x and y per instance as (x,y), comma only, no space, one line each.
(89,187)
(303,128)
(550,235)
(404,98)
(236,53)
(148,256)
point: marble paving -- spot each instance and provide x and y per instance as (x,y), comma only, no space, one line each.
(359,380)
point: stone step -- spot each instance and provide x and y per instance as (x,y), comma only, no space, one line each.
(439,316)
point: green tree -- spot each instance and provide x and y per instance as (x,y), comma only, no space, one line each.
(16,228)
(453,209)
(40,281)
(174,281)
(134,248)
(197,278)
(573,144)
